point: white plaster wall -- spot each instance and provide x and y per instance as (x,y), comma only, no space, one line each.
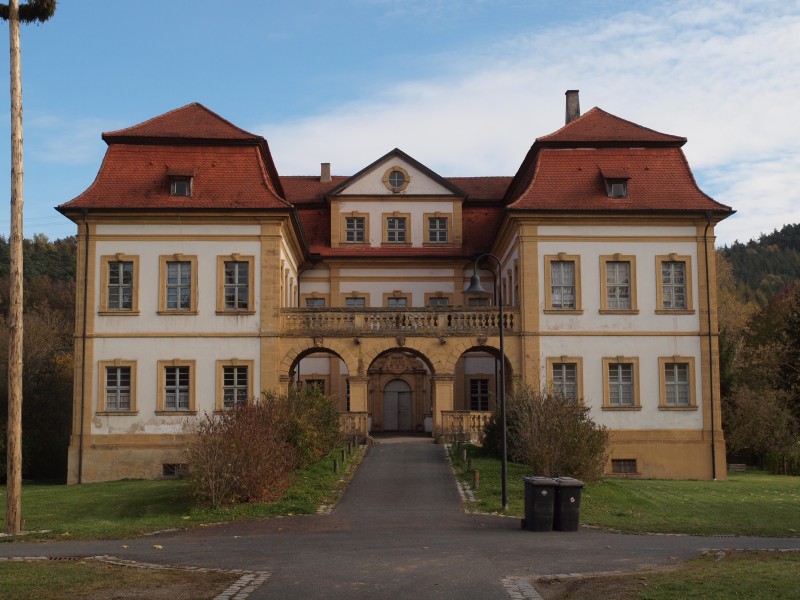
(618,231)
(398,273)
(415,234)
(147,352)
(309,287)
(320,365)
(479,364)
(376,290)
(648,349)
(206,320)
(646,275)
(372,183)
(177,229)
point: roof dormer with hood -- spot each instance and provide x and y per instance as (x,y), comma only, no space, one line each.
(600,163)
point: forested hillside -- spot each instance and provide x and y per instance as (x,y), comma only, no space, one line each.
(49,304)
(759,320)
(765,266)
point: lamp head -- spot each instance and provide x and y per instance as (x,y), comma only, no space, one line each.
(475,286)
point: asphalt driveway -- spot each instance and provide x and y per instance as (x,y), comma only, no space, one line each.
(399,532)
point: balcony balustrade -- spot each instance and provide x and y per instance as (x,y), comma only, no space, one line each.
(378,322)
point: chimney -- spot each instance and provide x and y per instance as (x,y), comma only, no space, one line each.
(325,173)
(573,106)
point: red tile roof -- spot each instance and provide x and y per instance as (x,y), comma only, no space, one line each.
(303,189)
(572,180)
(138,177)
(231,168)
(598,126)
(482,188)
(191,122)
(564,170)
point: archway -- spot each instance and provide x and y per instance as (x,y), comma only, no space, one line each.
(400,392)
(326,370)
(477,379)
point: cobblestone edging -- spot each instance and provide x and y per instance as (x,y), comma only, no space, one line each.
(248,581)
(464,490)
(519,588)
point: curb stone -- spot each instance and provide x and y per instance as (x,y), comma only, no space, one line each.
(247,583)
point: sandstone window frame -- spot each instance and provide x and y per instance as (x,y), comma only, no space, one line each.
(250,261)
(177,363)
(688,291)
(663,363)
(633,362)
(552,361)
(354,232)
(605,260)
(562,257)
(388,232)
(448,219)
(163,268)
(106,265)
(221,365)
(102,386)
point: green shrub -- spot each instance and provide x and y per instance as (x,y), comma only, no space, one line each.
(550,434)
(312,425)
(248,454)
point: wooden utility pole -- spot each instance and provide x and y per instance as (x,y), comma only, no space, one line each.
(40,10)
(14,446)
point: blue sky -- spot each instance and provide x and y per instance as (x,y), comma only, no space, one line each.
(464,86)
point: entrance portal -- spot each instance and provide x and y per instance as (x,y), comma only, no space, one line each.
(397,406)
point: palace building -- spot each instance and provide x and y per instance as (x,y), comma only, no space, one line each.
(204,277)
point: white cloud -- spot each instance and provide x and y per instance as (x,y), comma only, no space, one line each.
(724,74)
(74,142)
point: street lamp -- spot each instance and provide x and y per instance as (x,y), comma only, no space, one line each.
(475,287)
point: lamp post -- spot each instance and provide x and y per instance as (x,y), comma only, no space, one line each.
(475,287)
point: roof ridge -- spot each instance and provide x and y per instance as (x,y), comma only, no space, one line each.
(598,114)
(172,117)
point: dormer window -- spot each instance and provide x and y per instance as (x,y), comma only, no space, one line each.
(180,186)
(617,188)
(616,182)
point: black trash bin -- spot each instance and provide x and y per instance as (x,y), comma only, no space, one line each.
(567,513)
(539,499)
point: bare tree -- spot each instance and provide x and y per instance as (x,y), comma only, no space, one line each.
(35,10)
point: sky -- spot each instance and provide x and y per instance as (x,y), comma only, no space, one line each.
(463,86)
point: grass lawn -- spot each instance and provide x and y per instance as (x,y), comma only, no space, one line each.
(743,575)
(90,579)
(752,503)
(132,507)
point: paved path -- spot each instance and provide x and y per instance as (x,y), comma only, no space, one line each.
(399,532)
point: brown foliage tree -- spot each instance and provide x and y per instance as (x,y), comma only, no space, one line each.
(555,436)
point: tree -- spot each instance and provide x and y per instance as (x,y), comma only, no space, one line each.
(761,422)
(734,315)
(35,10)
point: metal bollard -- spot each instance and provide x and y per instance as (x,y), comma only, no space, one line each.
(476,479)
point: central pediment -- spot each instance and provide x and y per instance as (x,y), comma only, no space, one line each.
(396,174)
